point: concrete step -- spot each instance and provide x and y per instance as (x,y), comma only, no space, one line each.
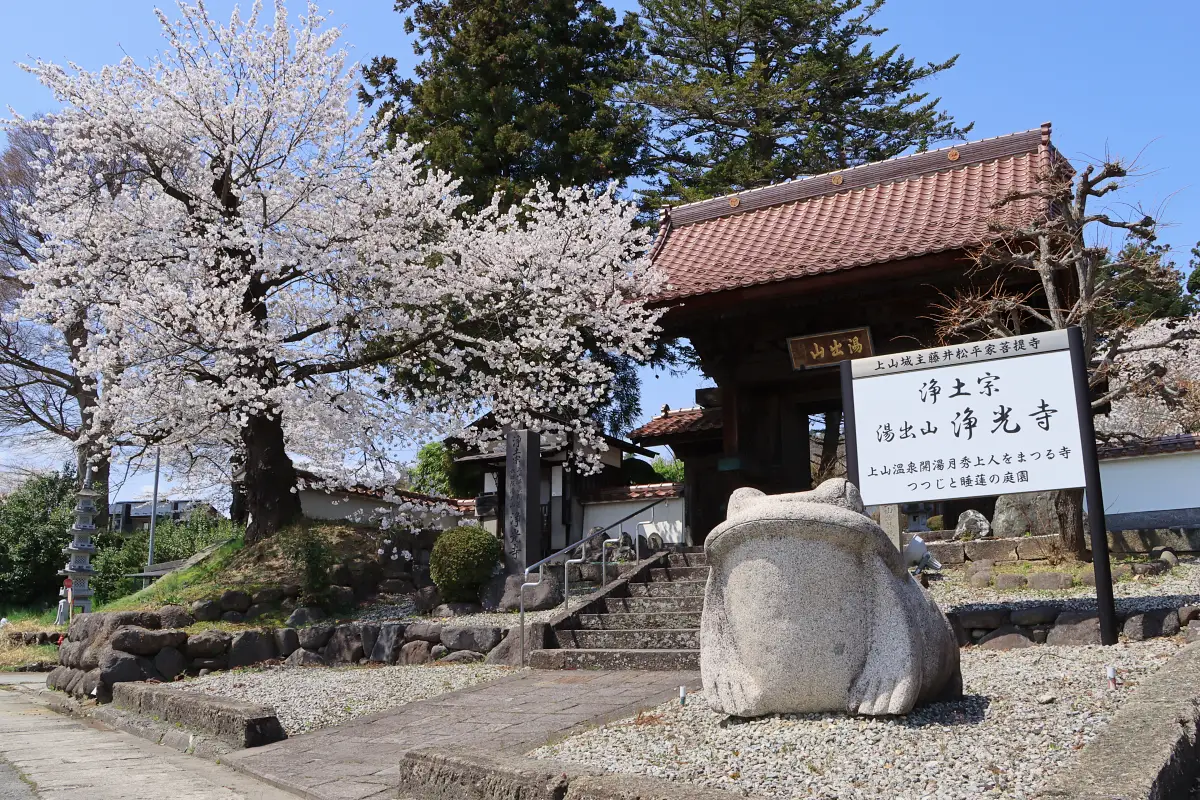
(688,559)
(653,605)
(679,574)
(653,639)
(619,621)
(615,659)
(668,589)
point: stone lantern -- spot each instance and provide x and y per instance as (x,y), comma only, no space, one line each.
(79,568)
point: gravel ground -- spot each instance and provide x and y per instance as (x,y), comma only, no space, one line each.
(1025,714)
(1180,586)
(307,698)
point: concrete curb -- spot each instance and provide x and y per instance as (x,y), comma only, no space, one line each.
(233,722)
(1149,750)
(151,730)
(444,774)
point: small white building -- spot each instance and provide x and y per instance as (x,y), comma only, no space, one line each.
(1152,485)
(610,506)
(365,506)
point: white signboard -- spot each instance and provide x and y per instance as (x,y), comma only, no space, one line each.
(978,419)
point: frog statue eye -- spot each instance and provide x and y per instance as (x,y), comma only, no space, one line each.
(742,498)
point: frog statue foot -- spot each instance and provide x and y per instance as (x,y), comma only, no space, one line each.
(809,608)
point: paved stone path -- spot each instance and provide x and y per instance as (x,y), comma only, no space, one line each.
(360,760)
(68,759)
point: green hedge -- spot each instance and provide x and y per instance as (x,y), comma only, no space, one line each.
(462,561)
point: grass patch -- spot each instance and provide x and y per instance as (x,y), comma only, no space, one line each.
(1075,568)
(28,619)
(249,568)
(13,655)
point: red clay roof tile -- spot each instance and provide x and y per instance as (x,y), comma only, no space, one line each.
(645,491)
(900,208)
(673,423)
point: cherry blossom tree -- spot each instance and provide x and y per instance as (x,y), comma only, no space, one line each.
(43,398)
(263,276)
(1163,380)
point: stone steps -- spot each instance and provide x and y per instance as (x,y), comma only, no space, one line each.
(615,659)
(688,559)
(654,605)
(630,639)
(626,621)
(668,589)
(673,573)
(656,628)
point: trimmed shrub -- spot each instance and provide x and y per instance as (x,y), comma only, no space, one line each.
(935,523)
(462,561)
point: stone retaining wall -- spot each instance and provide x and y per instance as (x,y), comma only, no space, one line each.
(451,774)
(106,649)
(33,637)
(1023,548)
(1026,624)
(1041,548)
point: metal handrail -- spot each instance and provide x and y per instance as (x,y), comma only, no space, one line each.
(540,566)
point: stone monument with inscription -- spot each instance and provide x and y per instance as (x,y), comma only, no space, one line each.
(523,540)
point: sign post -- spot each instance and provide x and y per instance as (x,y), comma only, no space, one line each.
(998,417)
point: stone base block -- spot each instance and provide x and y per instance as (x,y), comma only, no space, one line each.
(234,722)
(947,552)
(452,774)
(997,550)
(1039,548)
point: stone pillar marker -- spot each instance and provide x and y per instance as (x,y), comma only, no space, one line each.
(523,543)
(894,522)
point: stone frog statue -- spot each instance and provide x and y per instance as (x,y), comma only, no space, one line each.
(809,608)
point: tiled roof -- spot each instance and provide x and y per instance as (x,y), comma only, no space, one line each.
(645,491)
(675,423)
(890,210)
(1166,444)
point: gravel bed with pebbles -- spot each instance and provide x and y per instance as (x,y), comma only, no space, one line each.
(308,698)
(1180,586)
(1025,715)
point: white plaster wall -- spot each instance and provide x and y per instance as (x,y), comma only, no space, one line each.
(667,516)
(362,510)
(1159,482)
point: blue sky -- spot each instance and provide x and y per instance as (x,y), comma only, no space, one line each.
(1112,77)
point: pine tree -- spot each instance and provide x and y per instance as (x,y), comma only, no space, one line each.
(1193,281)
(515,91)
(1145,285)
(752,92)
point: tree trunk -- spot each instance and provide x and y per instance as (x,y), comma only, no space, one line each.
(271,497)
(829,444)
(1067,507)
(100,478)
(237,504)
